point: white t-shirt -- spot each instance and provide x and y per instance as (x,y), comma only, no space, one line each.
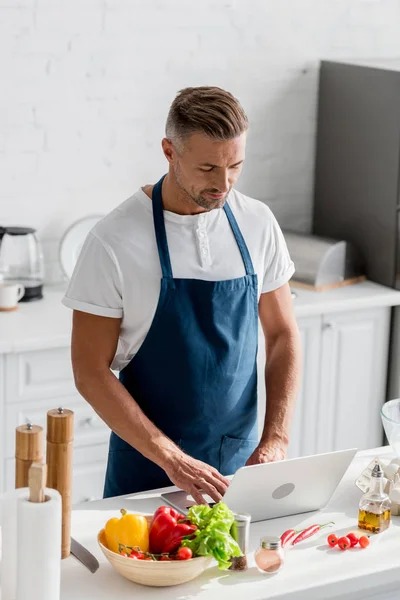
(118,271)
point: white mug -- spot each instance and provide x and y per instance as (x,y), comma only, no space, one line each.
(10,295)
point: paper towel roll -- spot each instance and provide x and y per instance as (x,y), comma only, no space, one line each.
(9,545)
(31,546)
(39,547)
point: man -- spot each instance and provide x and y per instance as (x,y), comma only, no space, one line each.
(167,290)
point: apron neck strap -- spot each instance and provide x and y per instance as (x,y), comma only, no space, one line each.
(159,227)
(161,234)
(239,240)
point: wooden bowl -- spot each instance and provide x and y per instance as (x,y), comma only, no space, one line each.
(156,573)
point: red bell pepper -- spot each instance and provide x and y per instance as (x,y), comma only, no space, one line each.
(176,536)
(165,519)
(168,510)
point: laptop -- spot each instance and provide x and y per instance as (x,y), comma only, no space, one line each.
(278,489)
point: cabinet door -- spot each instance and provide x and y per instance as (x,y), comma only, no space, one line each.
(352,389)
(2,442)
(303,434)
(303,440)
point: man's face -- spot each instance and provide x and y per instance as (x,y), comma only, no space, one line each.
(207,169)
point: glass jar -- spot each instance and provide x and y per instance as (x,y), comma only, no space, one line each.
(269,556)
(374,508)
(240,532)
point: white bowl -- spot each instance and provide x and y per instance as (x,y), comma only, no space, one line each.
(390,415)
(156,573)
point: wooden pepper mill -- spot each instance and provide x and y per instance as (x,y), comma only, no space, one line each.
(60,436)
(28,449)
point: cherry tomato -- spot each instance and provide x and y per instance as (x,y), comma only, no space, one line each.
(165,557)
(122,553)
(136,554)
(353,539)
(332,540)
(184,553)
(344,543)
(363,541)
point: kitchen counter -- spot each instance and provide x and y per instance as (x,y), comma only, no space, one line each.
(313,571)
(47,323)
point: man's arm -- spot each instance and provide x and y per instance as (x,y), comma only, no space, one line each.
(94,342)
(282,373)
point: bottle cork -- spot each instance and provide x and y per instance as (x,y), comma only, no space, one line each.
(28,449)
(60,436)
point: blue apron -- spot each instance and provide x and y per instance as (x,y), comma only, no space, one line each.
(195,375)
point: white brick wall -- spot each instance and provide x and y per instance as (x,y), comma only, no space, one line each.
(86,85)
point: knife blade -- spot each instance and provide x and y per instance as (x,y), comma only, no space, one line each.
(84,556)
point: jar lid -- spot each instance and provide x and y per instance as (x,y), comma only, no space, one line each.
(270,542)
(242,517)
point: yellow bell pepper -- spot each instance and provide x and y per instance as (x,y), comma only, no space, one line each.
(130,530)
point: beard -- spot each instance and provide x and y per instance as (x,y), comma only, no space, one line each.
(200,198)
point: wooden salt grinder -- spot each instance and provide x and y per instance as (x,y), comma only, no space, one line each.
(60,436)
(28,449)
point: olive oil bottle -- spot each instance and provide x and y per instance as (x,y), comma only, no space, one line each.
(374,507)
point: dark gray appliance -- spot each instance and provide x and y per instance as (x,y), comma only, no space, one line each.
(357,169)
(357,173)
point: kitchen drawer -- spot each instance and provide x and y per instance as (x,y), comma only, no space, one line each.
(89,428)
(89,468)
(38,374)
(88,473)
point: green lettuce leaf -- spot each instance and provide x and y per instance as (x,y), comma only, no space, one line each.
(213,537)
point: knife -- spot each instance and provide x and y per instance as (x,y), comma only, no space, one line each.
(84,556)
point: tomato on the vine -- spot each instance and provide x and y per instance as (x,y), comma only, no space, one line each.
(184,553)
(332,540)
(353,539)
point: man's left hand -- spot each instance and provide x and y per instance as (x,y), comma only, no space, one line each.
(267,452)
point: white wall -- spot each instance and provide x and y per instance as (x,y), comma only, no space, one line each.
(86,85)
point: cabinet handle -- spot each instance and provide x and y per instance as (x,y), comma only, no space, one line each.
(329,326)
(89,422)
(89,499)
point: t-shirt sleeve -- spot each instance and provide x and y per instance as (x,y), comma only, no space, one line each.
(95,286)
(279,267)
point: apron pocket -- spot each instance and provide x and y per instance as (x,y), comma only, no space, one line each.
(234,453)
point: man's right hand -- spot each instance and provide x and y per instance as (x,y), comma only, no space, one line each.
(196,478)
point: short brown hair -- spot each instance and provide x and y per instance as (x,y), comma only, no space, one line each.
(209,110)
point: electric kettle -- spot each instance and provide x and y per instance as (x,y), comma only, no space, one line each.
(21,260)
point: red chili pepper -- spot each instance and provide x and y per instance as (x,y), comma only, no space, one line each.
(306,533)
(176,536)
(287,536)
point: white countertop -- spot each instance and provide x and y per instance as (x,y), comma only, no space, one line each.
(46,323)
(312,570)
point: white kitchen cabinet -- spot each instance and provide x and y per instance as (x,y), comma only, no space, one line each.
(352,388)
(303,431)
(33,382)
(343,384)
(2,425)
(88,473)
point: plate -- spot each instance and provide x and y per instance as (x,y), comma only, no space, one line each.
(73,240)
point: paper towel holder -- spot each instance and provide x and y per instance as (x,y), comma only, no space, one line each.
(37,482)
